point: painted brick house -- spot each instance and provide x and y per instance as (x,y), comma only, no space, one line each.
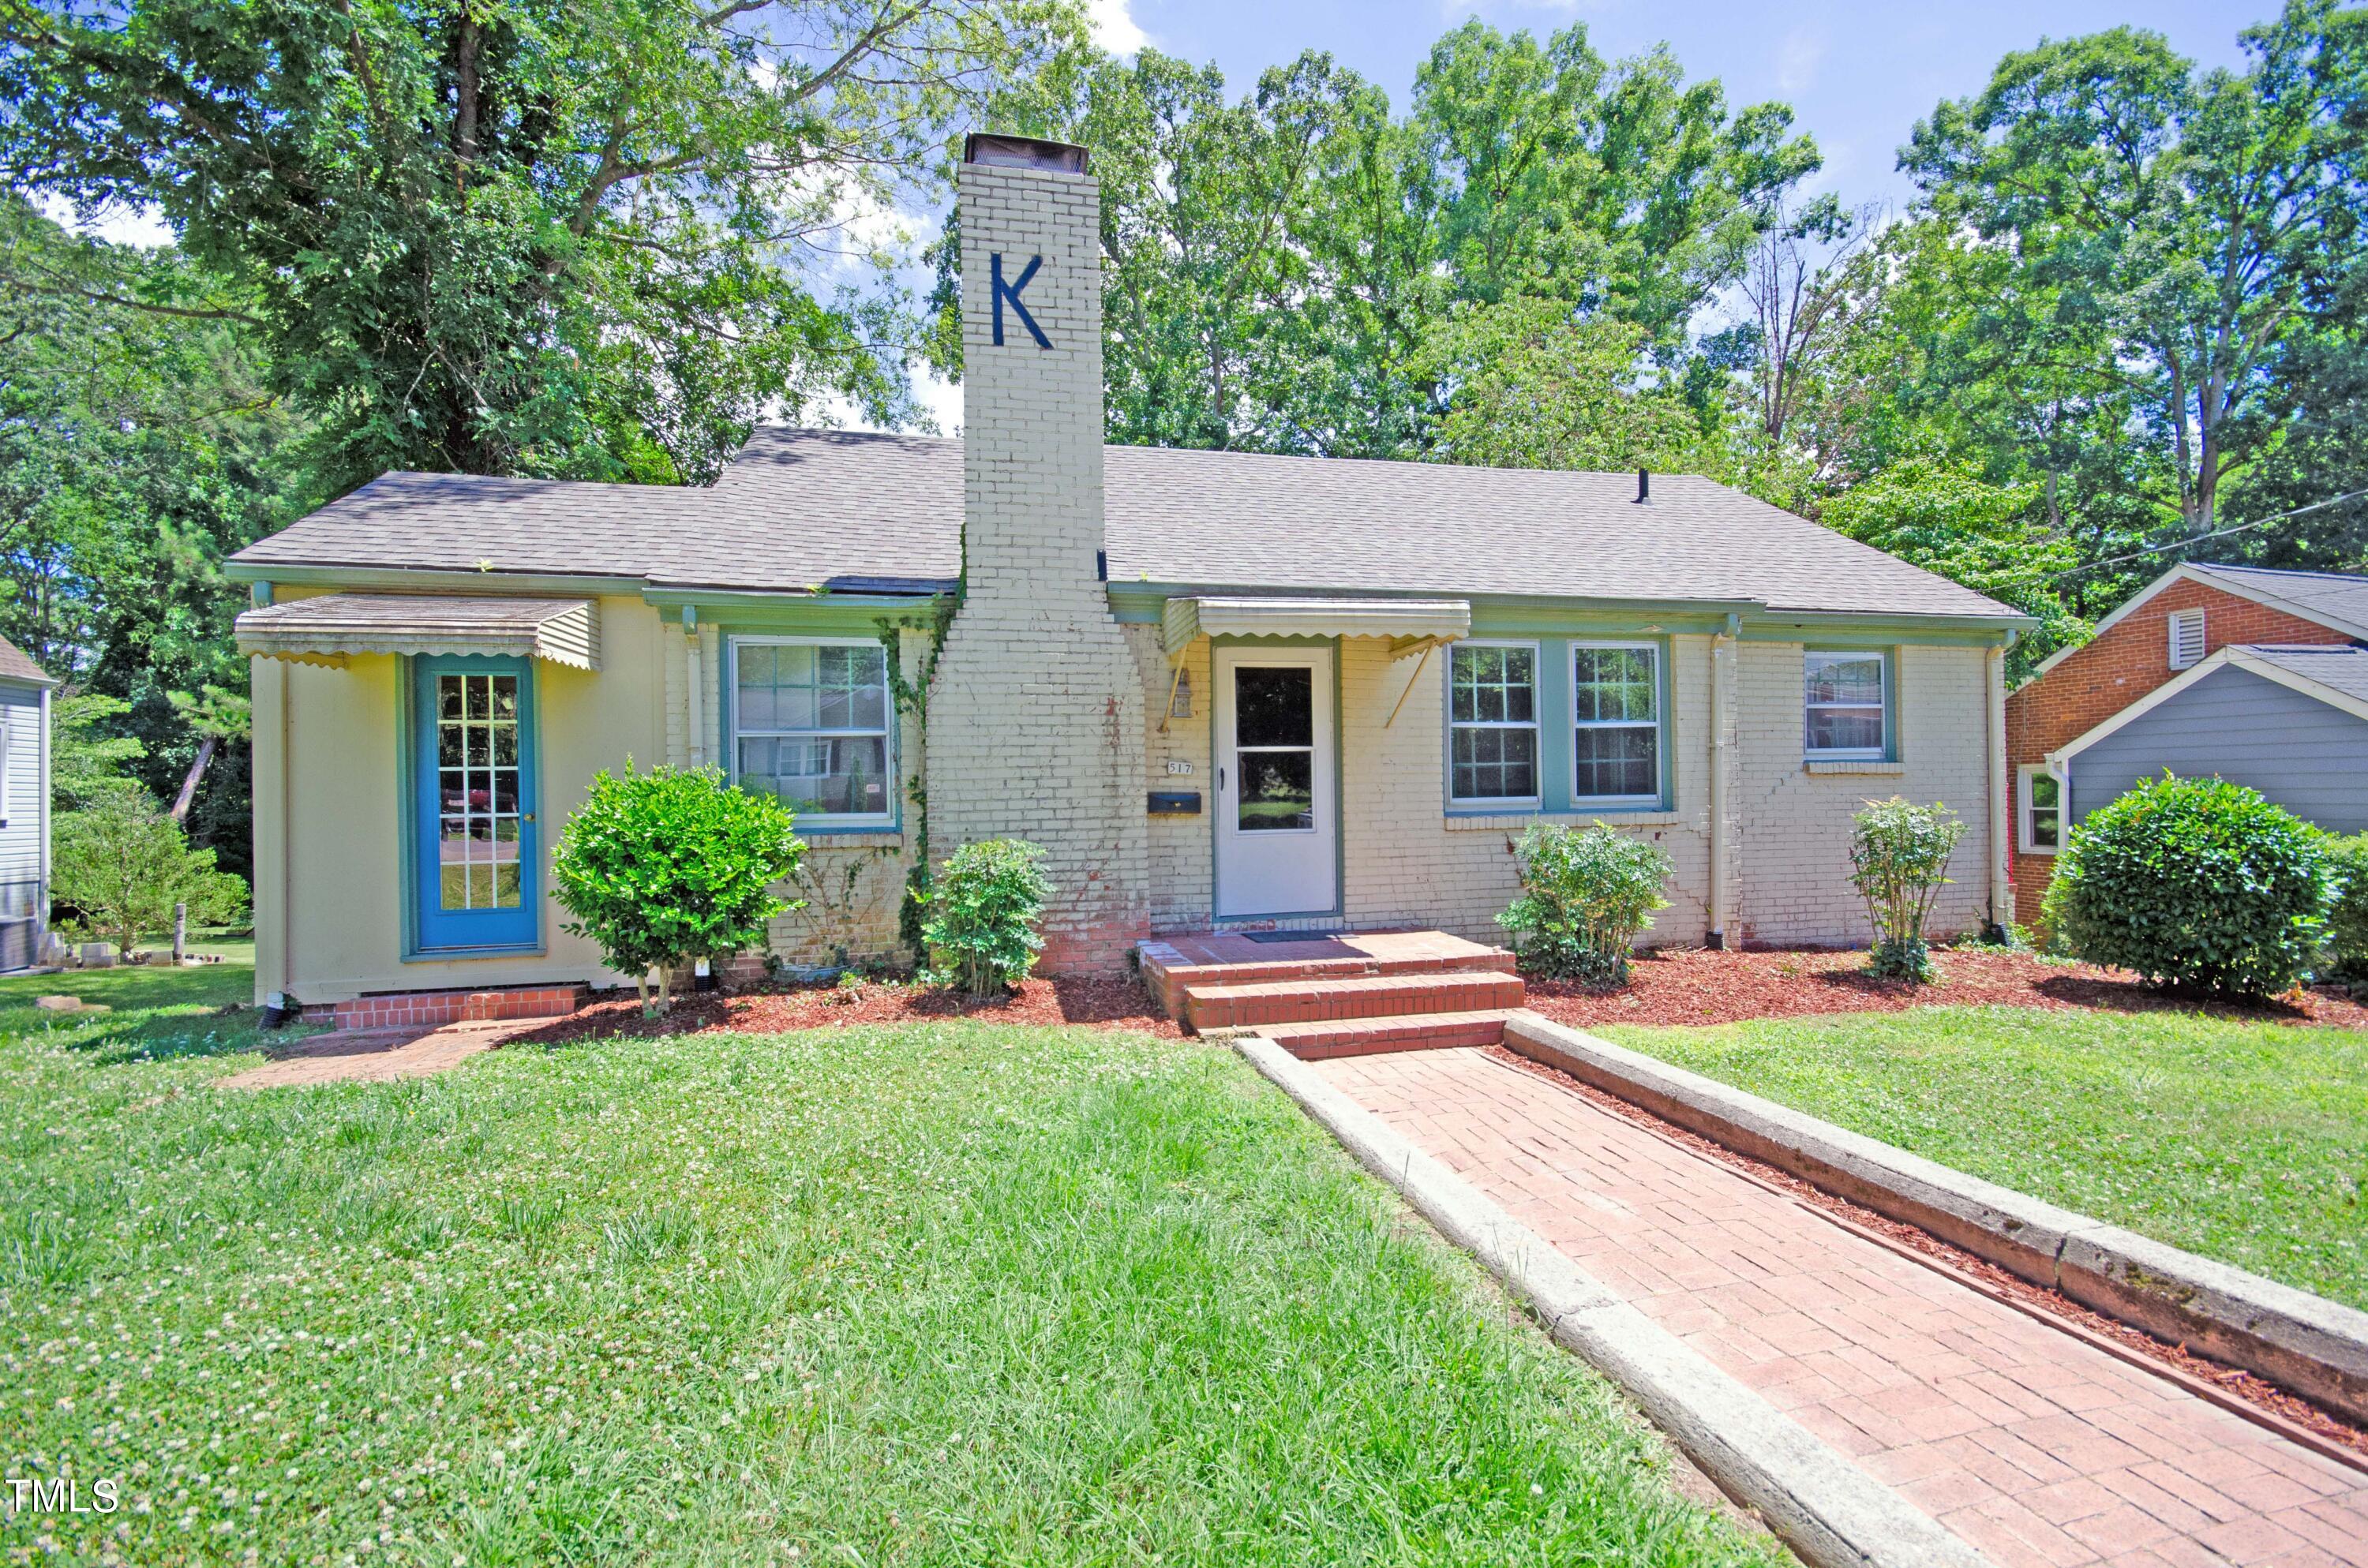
(2235,672)
(1222,690)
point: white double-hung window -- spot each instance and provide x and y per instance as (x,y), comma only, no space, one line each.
(1492,724)
(813,725)
(1845,705)
(1616,701)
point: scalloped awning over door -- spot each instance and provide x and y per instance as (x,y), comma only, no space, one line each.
(334,627)
(1413,624)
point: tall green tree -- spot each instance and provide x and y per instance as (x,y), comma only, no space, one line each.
(544,238)
(2189,214)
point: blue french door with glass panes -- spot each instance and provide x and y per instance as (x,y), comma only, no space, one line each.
(474,845)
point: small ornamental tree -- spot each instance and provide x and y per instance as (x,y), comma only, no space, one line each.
(2196,883)
(1900,858)
(121,865)
(665,866)
(983,910)
(1586,896)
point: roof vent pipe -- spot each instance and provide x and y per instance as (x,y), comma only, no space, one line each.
(1643,486)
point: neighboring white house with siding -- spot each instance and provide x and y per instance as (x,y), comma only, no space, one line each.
(1220,690)
(24,807)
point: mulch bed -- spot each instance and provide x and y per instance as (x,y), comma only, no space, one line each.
(1671,986)
(1699,986)
(1115,1003)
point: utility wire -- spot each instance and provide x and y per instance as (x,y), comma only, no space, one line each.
(2216,533)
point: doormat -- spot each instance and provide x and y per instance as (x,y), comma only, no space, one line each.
(1290,936)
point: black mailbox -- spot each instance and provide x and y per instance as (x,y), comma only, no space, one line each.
(1176,802)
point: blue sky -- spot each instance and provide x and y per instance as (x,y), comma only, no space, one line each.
(1857,73)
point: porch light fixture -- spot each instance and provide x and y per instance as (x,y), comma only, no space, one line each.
(1023,153)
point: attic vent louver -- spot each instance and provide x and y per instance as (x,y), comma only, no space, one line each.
(2186,639)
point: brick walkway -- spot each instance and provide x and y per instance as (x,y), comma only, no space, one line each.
(2033,1446)
(379,1056)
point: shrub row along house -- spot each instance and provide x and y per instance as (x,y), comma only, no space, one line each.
(2256,676)
(1220,689)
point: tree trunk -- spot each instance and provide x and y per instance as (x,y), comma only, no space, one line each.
(190,783)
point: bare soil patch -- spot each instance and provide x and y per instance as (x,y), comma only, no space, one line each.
(1695,985)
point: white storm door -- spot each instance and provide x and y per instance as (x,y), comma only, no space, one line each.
(1276,807)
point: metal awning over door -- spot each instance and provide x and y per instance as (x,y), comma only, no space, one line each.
(335,627)
(1410,623)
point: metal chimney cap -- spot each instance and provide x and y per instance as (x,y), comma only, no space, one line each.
(1023,153)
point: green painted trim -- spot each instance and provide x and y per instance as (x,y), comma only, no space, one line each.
(1514,615)
(423,581)
(1339,782)
(1873,633)
(1558,711)
(835,615)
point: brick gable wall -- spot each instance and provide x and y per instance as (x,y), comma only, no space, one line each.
(2129,660)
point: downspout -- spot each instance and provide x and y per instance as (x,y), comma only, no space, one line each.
(694,720)
(287,830)
(1722,759)
(2001,864)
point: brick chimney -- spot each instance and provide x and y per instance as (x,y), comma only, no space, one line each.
(1036,720)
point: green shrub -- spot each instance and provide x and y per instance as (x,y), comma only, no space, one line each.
(2347,922)
(1586,895)
(665,866)
(1900,860)
(2197,883)
(983,913)
(121,865)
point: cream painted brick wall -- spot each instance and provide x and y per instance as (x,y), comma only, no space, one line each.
(857,917)
(1794,826)
(1407,862)
(1037,718)
(1181,862)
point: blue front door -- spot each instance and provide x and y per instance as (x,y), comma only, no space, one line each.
(474,840)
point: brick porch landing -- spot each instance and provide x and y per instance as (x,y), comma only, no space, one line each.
(2035,1448)
(1336,995)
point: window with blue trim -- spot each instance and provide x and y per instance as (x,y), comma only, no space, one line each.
(813,725)
(1616,723)
(1492,723)
(1845,705)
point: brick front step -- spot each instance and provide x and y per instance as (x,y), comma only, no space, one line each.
(1366,996)
(1371,1037)
(431,1009)
(1173,964)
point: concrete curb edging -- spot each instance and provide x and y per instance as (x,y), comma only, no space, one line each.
(1830,1511)
(2302,1343)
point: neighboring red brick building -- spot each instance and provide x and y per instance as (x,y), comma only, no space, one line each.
(2175,623)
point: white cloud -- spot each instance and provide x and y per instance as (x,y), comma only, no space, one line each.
(1797,59)
(116,224)
(1114,26)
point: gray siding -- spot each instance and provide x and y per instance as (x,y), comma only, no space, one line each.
(23,756)
(2309,757)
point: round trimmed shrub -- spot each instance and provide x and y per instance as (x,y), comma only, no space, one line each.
(665,866)
(1586,896)
(2195,883)
(983,910)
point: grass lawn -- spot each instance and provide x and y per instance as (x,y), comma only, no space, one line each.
(2242,1142)
(952,1294)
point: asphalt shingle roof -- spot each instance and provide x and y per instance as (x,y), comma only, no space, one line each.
(2334,593)
(17,666)
(799,508)
(2338,669)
